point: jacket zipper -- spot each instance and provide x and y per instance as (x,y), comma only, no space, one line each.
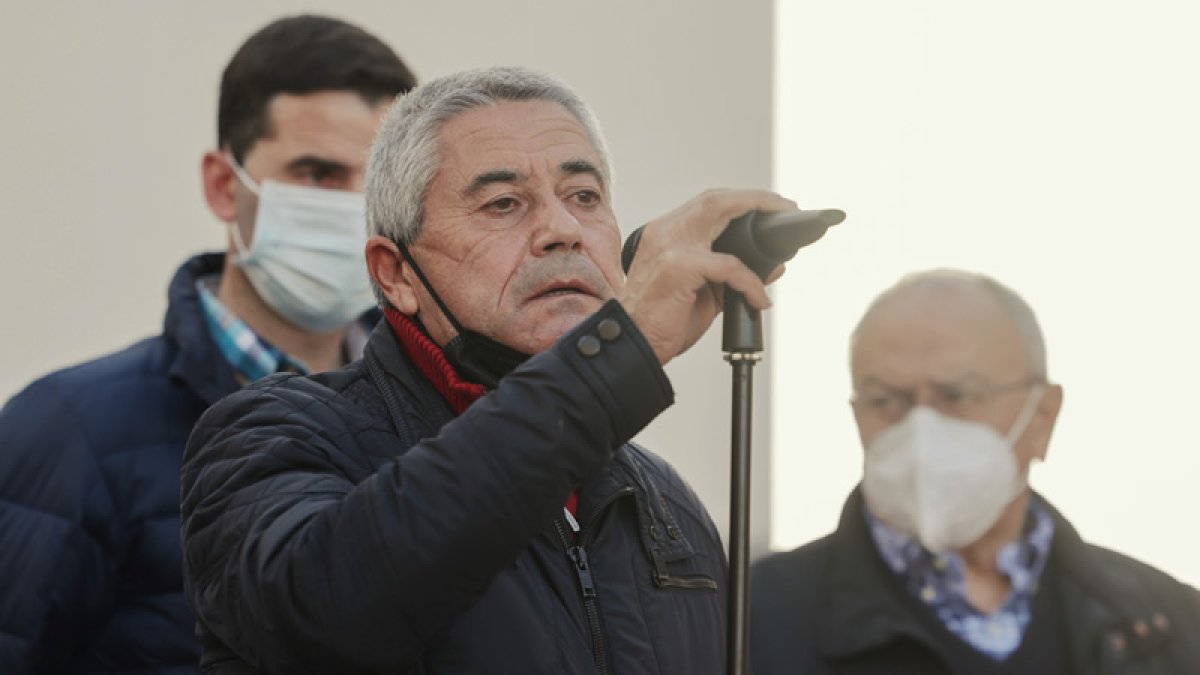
(577,555)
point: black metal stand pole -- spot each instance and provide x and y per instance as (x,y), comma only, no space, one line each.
(742,345)
(761,241)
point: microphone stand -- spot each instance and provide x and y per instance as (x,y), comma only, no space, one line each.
(761,241)
(742,343)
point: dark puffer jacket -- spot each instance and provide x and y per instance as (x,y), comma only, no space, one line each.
(827,608)
(350,522)
(89,501)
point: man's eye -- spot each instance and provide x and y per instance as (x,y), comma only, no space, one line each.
(953,395)
(503,205)
(586,197)
(323,176)
(882,402)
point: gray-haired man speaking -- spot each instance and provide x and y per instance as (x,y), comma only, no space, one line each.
(464,499)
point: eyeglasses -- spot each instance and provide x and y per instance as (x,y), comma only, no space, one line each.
(963,398)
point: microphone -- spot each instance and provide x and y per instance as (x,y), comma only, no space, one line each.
(760,239)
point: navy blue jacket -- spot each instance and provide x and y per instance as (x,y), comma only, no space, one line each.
(829,608)
(349,522)
(90,456)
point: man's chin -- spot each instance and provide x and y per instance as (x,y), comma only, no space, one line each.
(548,319)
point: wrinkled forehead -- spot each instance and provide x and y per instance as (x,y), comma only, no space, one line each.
(937,334)
(514,143)
(518,131)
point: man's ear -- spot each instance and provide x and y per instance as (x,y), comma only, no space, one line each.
(1044,418)
(220,185)
(387,268)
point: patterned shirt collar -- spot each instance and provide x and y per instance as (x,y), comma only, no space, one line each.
(252,357)
(939,582)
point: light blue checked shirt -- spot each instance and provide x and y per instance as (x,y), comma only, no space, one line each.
(252,357)
(938,581)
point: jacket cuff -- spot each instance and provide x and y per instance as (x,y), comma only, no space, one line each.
(611,355)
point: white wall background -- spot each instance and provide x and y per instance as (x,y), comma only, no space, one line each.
(108,106)
(1054,145)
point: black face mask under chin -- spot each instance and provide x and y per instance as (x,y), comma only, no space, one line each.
(481,359)
(475,356)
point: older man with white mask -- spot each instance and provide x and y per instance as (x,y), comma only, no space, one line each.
(945,561)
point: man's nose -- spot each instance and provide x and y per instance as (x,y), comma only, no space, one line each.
(556,228)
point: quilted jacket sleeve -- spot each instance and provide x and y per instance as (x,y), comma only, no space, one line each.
(300,568)
(56,569)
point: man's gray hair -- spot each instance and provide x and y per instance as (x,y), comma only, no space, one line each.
(1014,305)
(406,153)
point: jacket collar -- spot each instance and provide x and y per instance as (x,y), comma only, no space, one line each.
(1103,602)
(864,613)
(197,360)
(432,362)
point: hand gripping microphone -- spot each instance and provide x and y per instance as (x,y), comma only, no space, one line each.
(761,240)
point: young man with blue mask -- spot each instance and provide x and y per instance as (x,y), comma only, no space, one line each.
(945,561)
(90,577)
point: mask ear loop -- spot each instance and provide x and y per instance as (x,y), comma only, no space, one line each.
(1026,414)
(429,288)
(234,230)
(241,174)
(238,243)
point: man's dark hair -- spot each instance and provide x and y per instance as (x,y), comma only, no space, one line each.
(302,55)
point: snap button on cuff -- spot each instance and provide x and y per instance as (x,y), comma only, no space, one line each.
(588,345)
(608,330)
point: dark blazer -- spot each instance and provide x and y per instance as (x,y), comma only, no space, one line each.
(827,608)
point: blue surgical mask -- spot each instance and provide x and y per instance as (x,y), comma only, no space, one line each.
(307,259)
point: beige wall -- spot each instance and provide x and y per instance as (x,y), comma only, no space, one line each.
(108,107)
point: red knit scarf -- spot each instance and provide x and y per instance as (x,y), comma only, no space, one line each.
(432,363)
